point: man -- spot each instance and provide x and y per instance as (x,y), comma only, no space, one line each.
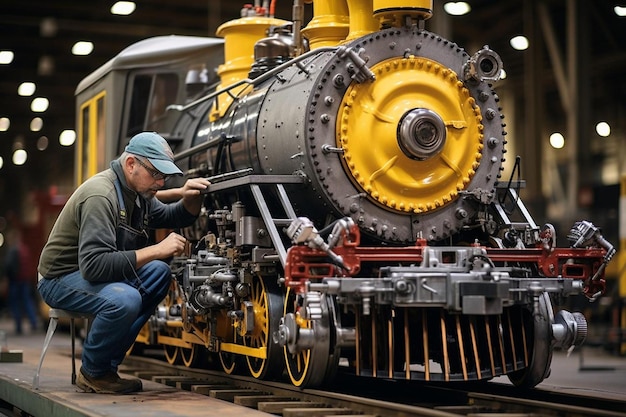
(97,259)
(20,269)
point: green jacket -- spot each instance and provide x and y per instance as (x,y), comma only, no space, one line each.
(84,234)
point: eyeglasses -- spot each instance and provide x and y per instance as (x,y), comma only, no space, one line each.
(155,174)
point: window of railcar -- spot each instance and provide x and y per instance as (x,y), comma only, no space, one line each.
(151,94)
(164,93)
(138,104)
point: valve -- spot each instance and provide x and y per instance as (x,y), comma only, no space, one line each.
(303,231)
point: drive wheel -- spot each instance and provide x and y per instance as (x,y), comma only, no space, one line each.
(310,367)
(230,362)
(172,299)
(172,353)
(540,347)
(192,356)
(267,306)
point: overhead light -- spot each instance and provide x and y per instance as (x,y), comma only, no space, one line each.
(39,104)
(557,140)
(45,66)
(82,48)
(4,124)
(48,27)
(519,42)
(19,157)
(36,124)
(603,129)
(1,162)
(123,8)
(42,143)
(620,10)
(6,57)
(457,8)
(26,89)
(67,138)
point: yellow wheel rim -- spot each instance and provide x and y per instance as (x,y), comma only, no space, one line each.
(298,363)
(260,335)
(385,130)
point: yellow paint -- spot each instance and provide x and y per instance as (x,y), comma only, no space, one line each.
(91,139)
(260,352)
(362,21)
(240,36)
(329,25)
(367,126)
(393,12)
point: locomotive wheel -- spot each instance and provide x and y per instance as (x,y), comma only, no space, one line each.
(312,367)
(172,353)
(267,307)
(541,349)
(229,362)
(191,357)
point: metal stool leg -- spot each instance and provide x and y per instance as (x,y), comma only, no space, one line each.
(73,334)
(51,329)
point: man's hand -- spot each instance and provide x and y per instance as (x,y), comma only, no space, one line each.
(172,245)
(193,193)
(194,187)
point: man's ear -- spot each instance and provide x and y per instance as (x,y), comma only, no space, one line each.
(129,163)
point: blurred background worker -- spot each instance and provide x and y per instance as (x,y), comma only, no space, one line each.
(21,273)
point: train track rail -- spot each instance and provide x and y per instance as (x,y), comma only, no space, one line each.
(373,397)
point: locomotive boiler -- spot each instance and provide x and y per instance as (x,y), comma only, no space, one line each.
(357,218)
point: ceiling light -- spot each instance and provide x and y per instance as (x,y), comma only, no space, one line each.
(519,42)
(45,65)
(48,27)
(123,8)
(4,124)
(603,129)
(620,10)
(1,162)
(42,143)
(39,104)
(457,8)
(82,48)
(36,124)
(6,57)
(67,138)
(557,140)
(19,157)
(26,89)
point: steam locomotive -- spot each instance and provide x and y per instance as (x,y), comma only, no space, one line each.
(357,219)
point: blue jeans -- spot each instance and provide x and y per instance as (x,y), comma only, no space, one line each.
(119,310)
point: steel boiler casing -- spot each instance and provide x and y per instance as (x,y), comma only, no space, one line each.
(303,121)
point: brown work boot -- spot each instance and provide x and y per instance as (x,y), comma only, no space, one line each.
(109,383)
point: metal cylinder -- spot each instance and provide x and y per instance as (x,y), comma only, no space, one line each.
(391,10)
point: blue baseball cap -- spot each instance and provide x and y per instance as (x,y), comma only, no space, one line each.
(155,149)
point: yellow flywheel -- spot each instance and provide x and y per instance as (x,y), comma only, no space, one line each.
(413,138)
